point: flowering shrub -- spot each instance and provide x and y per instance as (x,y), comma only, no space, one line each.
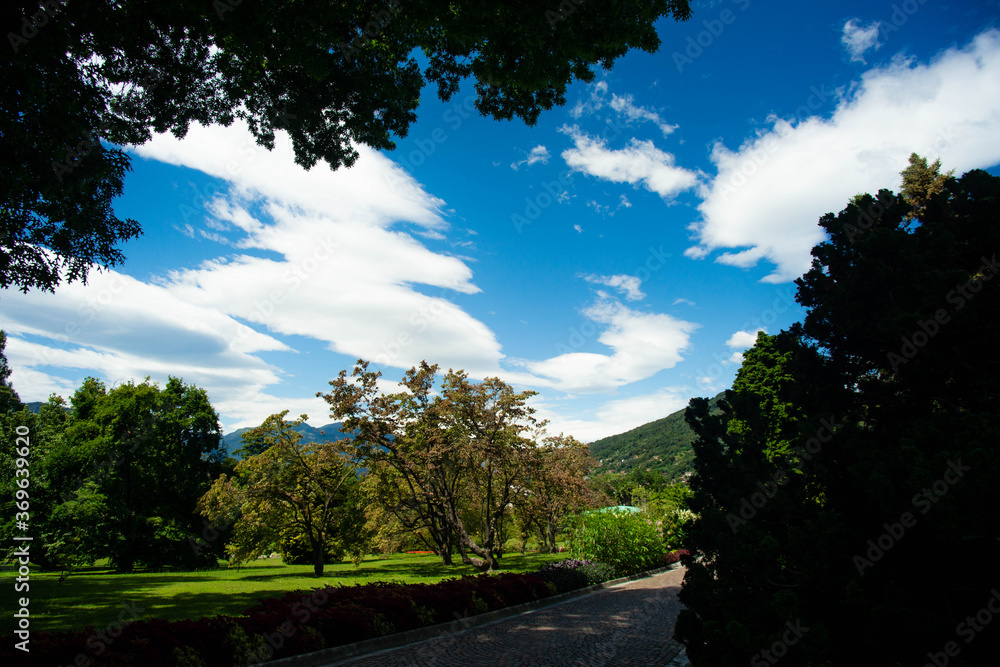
(627,541)
(675,525)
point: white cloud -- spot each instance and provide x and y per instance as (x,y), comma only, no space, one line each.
(744,339)
(120,329)
(686,302)
(858,40)
(628,285)
(769,193)
(642,344)
(626,107)
(616,416)
(578,228)
(537,154)
(594,101)
(375,190)
(601,209)
(640,163)
(337,269)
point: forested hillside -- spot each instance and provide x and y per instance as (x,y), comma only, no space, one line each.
(663,445)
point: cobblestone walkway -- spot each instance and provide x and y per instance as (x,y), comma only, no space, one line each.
(628,624)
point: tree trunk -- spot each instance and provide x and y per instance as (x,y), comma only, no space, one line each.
(550,535)
(318,557)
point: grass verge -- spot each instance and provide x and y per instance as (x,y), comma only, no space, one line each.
(98,596)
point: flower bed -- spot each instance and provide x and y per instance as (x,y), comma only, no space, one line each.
(296,623)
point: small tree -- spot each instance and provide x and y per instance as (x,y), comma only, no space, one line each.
(296,497)
(556,485)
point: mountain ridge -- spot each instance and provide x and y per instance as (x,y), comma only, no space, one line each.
(663,445)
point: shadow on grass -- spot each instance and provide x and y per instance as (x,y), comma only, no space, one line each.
(95,596)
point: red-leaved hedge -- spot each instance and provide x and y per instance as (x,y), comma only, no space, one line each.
(296,623)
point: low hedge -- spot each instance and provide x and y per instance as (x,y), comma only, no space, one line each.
(296,623)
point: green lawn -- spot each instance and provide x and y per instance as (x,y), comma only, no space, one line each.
(96,595)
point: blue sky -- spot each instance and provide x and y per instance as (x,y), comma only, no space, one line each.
(617,257)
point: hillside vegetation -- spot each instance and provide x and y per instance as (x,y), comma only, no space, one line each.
(663,445)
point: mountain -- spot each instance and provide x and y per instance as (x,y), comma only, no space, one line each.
(328,433)
(663,445)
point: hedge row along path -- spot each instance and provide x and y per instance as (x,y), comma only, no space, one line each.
(627,624)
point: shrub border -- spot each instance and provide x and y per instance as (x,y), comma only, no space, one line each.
(400,639)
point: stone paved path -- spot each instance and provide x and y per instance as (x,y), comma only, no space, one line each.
(628,624)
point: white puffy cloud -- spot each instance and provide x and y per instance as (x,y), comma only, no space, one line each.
(640,163)
(628,285)
(120,329)
(642,344)
(319,254)
(744,339)
(770,192)
(858,40)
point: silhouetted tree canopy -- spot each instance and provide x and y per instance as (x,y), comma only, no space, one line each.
(82,79)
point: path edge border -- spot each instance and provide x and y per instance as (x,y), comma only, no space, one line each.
(334,654)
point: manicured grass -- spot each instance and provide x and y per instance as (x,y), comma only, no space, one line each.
(96,595)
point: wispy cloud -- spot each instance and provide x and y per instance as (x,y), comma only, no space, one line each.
(642,344)
(623,105)
(627,285)
(627,108)
(535,155)
(859,40)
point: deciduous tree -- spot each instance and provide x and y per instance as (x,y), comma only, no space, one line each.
(292,497)
(464,445)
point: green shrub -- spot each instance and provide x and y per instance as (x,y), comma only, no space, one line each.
(629,542)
